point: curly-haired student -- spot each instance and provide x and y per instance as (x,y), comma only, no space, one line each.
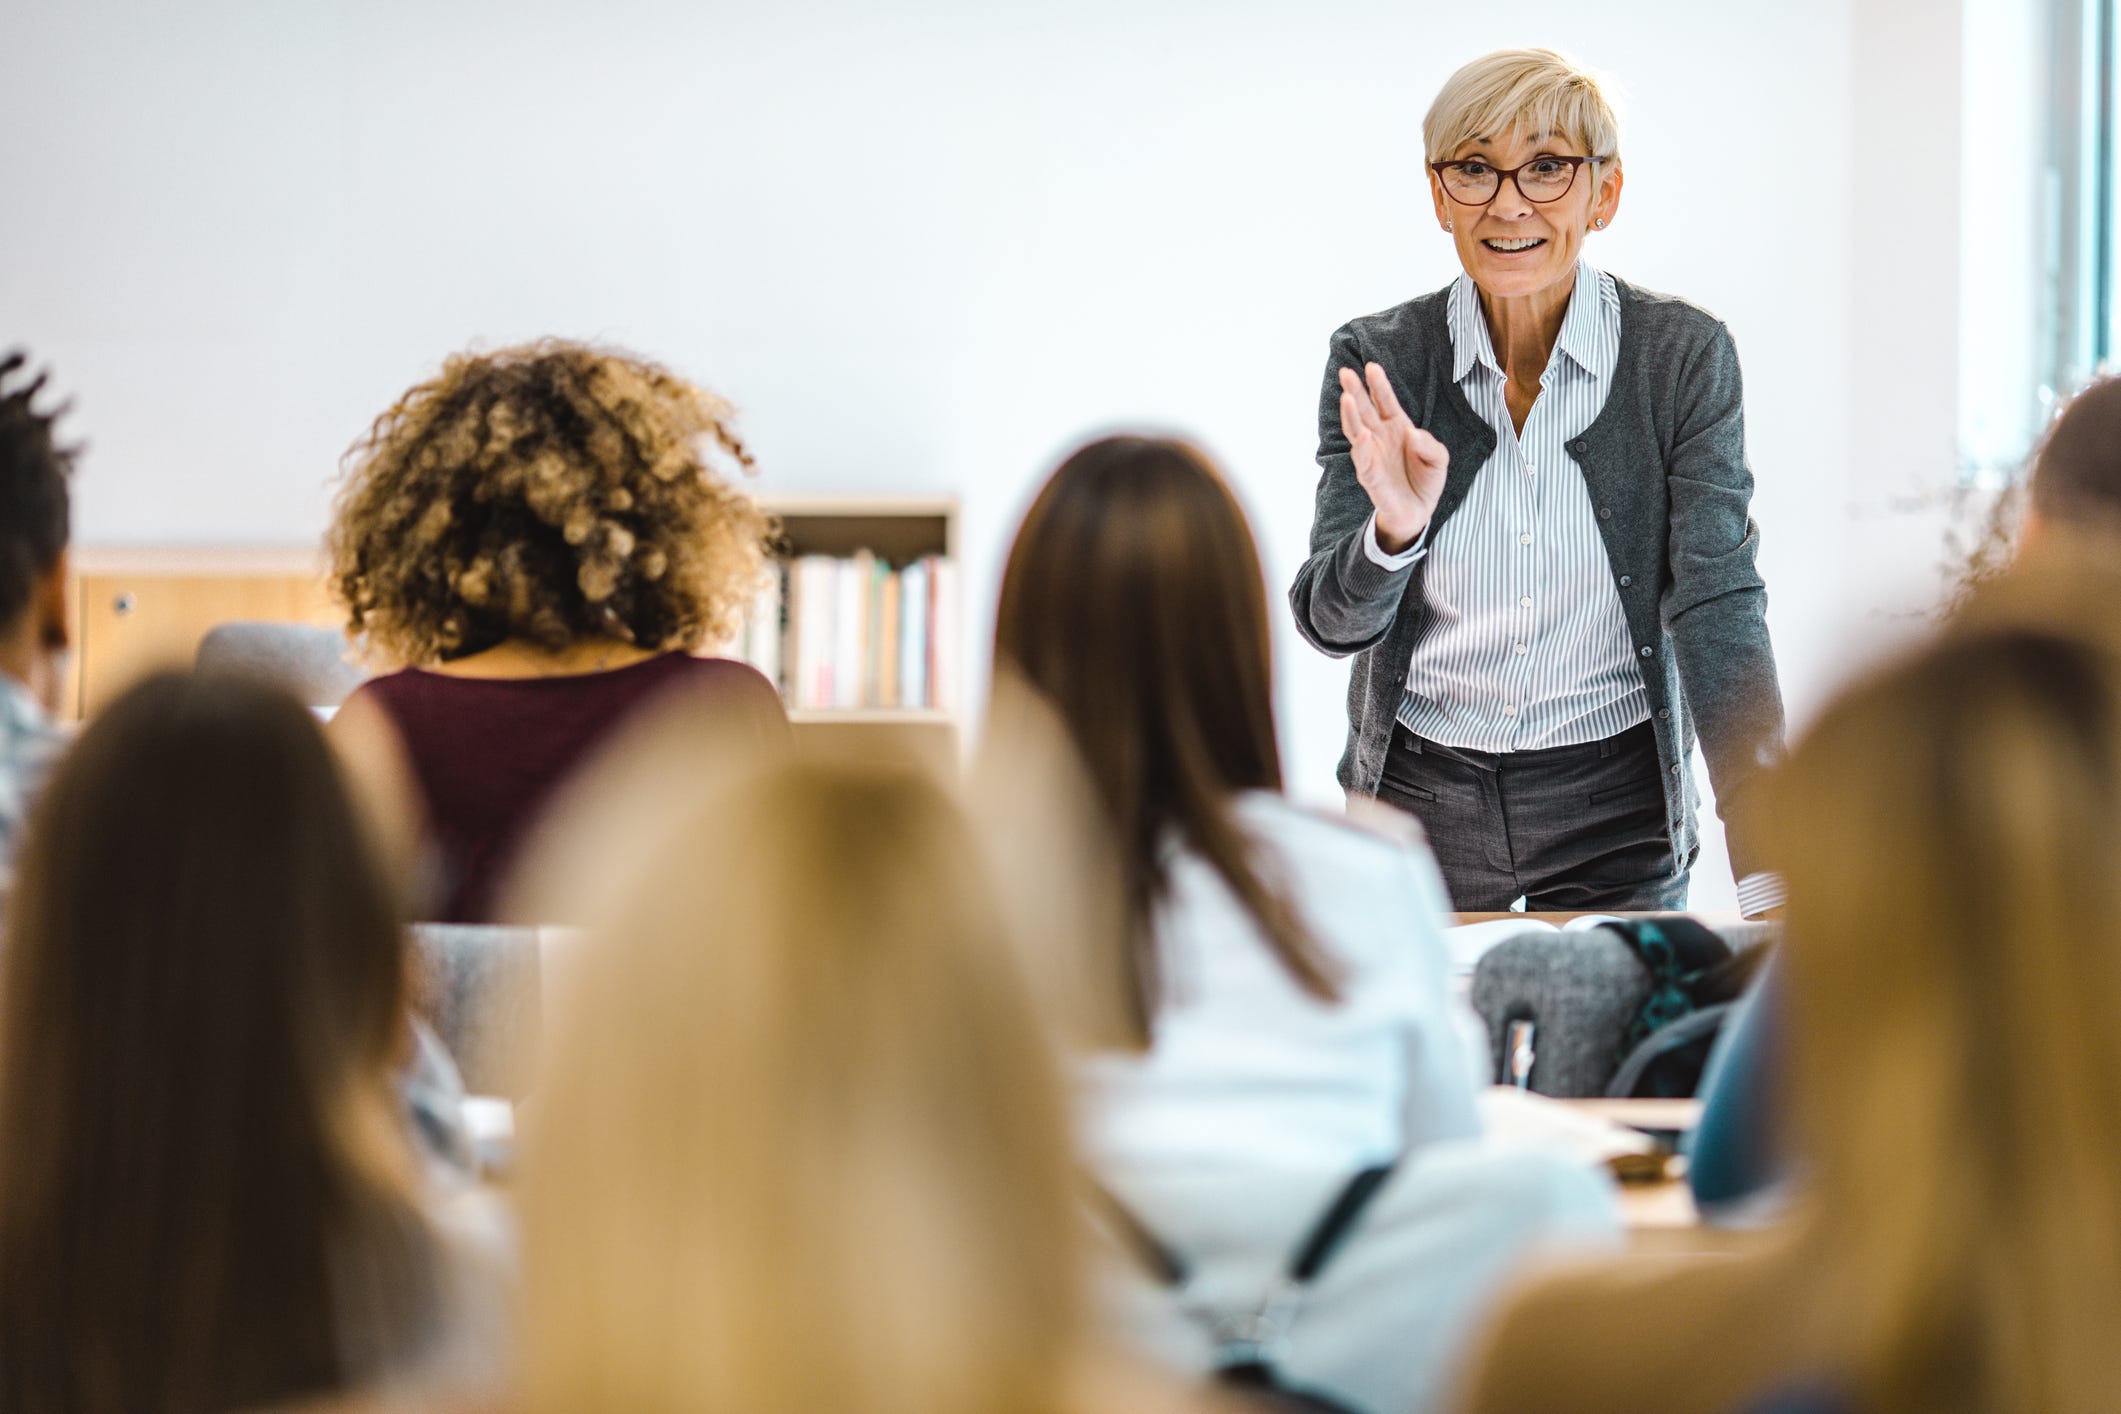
(537,537)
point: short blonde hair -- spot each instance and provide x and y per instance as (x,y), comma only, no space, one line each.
(1537,91)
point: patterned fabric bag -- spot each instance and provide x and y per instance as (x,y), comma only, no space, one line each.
(1694,976)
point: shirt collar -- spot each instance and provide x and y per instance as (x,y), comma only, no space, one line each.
(1590,331)
(19,711)
(1590,328)
(1469,330)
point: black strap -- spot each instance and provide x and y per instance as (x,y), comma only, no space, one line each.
(1162,1263)
(1317,1249)
(1692,1029)
(1339,1220)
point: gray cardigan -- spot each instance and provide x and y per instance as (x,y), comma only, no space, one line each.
(1665,463)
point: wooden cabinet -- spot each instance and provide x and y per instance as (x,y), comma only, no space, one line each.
(137,610)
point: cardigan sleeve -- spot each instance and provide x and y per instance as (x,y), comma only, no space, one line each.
(1344,600)
(1715,603)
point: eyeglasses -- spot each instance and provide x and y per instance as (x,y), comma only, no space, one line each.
(1541,180)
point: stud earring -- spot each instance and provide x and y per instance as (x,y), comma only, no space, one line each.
(1449,227)
(1600,223)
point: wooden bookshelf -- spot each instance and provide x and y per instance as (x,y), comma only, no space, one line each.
(897,530)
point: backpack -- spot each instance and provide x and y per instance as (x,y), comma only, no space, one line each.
(1694,978)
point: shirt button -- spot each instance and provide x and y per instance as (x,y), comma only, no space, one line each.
(1522,650)
(1526,603)
(1675,770)
(1647,650)
(1626,580)
(1524,539)
(1530,470)
(1509,710)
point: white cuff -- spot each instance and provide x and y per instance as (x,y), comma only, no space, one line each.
(1757,893)
(1399,561)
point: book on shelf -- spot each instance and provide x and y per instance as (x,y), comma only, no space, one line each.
(855,632)
(913,635)
(759,644)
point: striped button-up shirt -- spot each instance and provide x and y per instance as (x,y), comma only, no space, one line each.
(1527,645)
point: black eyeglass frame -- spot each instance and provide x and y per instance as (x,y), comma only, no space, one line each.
(1501,173)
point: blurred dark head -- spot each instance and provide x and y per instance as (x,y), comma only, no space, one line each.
(1134,601)
(201,1002)
(33,495)
(2076,478)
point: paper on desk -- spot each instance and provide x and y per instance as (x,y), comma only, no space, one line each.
(1510,1115)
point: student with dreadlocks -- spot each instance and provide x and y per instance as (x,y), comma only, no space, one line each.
(33,625)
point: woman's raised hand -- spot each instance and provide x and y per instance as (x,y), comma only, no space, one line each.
(1400,466)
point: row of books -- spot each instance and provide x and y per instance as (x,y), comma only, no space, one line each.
(854,631)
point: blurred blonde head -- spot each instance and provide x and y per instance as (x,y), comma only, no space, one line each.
(1951,832)
(801,1145)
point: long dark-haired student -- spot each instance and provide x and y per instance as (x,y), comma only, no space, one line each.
(1284,970)
(207,1197)
(1284,1002)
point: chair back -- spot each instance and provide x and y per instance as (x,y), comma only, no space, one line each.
(1579,990)
(310,660)
(480,987)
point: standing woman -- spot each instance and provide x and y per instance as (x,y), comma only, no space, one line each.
(1532,530)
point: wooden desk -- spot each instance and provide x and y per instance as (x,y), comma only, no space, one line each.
(1654,1211)
(1659,1207)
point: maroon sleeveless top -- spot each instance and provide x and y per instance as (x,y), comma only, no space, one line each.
(489,752)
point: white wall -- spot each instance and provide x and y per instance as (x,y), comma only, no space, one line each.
(925,249)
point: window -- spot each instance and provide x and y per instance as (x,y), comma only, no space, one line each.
(2040,229)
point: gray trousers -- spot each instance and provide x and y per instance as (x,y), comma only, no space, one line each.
(1564,828)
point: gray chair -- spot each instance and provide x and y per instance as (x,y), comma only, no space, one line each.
(480,988)
(311,661)
(1581,990)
